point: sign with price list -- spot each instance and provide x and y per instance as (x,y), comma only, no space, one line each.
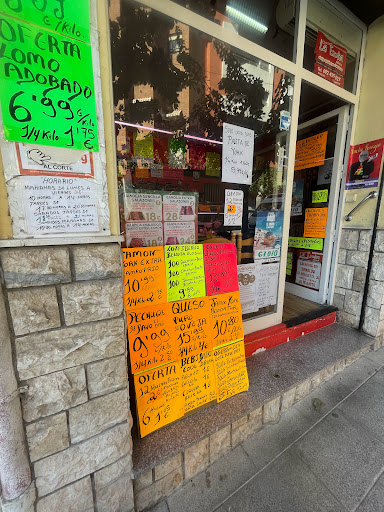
(175,367)
(47,93)
(220,268)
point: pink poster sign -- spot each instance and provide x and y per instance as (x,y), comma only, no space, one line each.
(220,263)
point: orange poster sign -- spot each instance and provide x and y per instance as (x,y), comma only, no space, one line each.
(144,277)
(192,327)
(151,337)
(227,324)
(231,370)
(159,399)
(198,380)
(310,152)
(315,222)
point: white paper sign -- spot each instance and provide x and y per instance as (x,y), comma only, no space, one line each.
(246,274)
(179,208)
(267,278)
(308,273)
(143,207)
(237,154)
(233,209)
(34,159)
(60,205)
(176,233)
(144,234)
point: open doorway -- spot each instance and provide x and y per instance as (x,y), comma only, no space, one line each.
(315,204)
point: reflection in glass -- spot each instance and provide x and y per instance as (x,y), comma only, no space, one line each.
(174,87)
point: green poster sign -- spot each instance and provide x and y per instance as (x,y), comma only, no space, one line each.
(185,271)
(66,17)
(46,87)
(320,196)
(315,244)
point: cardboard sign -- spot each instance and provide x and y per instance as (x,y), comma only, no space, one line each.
(320,196)
(144,277)
(233,208)
(231,370)
(315,222)
(316,244)
(334,58)
(308,271)
(151,337)
(53,61)
(191,326)
(159,399)
(310,152)
(220,268)
(238,145)
(227,324)
(364,165)
(247,287)
(69,205)
(267,280)
(184,271)
(198,381)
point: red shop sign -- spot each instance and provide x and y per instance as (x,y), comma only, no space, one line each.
(332,57)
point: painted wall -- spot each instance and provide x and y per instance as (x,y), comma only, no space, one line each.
(370,120)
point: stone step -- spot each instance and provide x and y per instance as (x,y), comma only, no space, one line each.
(278,378)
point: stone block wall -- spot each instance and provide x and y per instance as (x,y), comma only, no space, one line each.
(66,314)
(351,273)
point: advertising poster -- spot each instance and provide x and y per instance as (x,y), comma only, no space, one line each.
(297,198)
(233,208)
(268,235)
(315,222)
(179,207)
(176,233)
(364,165)
(144,234)
(238,145)
(310,152)
(308,271)
(142,206)
(330,60)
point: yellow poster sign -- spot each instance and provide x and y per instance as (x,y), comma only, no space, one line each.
(315,222)
(231,370)
(310,152)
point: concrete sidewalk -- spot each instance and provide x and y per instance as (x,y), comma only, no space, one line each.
(325,454)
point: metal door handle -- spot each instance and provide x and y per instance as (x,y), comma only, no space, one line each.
(371,195)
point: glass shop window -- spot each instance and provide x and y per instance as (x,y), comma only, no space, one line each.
(202,133)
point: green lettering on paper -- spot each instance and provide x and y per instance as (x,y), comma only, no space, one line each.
(46,79)
(320,196)
(315,244)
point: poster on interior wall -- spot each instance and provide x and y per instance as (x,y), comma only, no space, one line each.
(267,280)
(50,161)
(297,198)
(268,235)
(246,274)
(364,165)
(330,60)
(59,205)
(55,105)
(310,152)
(233,208)
(237,154)
(324,175)
(308,271)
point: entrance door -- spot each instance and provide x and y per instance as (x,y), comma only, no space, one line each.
(315,201)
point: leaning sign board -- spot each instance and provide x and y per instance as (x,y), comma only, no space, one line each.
(46,77)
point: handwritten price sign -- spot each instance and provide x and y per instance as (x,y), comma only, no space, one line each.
(46,79)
